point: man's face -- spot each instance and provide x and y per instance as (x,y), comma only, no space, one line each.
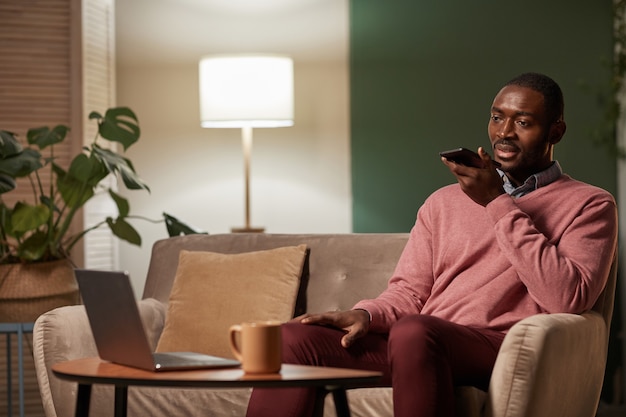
(520,133)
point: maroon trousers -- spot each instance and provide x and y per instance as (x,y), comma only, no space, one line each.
(423,358)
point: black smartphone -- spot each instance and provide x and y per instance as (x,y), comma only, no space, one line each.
(465,157)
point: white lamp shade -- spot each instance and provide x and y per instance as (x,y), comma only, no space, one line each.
(240,91)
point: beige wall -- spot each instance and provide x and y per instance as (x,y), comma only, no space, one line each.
(300,176)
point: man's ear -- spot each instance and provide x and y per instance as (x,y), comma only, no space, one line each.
(557,130)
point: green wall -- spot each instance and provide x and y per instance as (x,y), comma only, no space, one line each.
(423,75)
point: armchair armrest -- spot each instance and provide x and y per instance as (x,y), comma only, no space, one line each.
(550,365)
(64,334)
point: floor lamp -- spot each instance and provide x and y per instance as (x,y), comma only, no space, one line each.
(246,92)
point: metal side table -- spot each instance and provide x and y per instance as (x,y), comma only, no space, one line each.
(19,329)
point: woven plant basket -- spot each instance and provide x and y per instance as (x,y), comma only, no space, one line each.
(29,290)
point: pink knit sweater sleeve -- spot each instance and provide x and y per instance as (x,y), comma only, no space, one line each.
(410,284)
(547,252)
(564,276)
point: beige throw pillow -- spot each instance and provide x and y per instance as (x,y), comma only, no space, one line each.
(213,291)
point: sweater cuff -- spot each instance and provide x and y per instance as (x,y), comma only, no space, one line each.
(367,311)
(376,320)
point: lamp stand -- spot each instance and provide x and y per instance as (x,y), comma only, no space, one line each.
(246,137)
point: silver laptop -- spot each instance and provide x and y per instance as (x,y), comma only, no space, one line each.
(118,331)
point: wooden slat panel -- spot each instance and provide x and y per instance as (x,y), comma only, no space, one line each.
(32,399)
(39,83)
(98,91)
(35,80)
(43,69)
(35,90)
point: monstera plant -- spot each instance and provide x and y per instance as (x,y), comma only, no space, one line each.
(39,230)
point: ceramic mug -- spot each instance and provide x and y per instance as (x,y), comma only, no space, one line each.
(257,345)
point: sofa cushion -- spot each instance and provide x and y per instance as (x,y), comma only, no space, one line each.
(213,291)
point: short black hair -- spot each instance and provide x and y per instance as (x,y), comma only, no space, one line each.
(552,94)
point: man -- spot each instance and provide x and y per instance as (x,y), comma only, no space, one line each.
(502,244)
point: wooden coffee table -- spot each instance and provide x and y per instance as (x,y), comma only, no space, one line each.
(90,371)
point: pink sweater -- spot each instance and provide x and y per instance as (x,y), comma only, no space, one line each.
(488,267)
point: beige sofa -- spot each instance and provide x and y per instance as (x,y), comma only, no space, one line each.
(549,365)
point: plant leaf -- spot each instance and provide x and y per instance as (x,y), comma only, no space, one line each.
(34,248)
(5,219)
(87,169)
(176,227)
(27,218)
(95,115)
(122,204)
(76,189)
(120,124)
(9,145)
(47,201)
(44,137)
(6,183)
(21,164)
(122,229)
(116,163)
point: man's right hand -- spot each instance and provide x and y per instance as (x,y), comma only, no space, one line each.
(482,185)
(356,323)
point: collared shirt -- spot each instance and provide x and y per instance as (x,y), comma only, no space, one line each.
(533,182)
